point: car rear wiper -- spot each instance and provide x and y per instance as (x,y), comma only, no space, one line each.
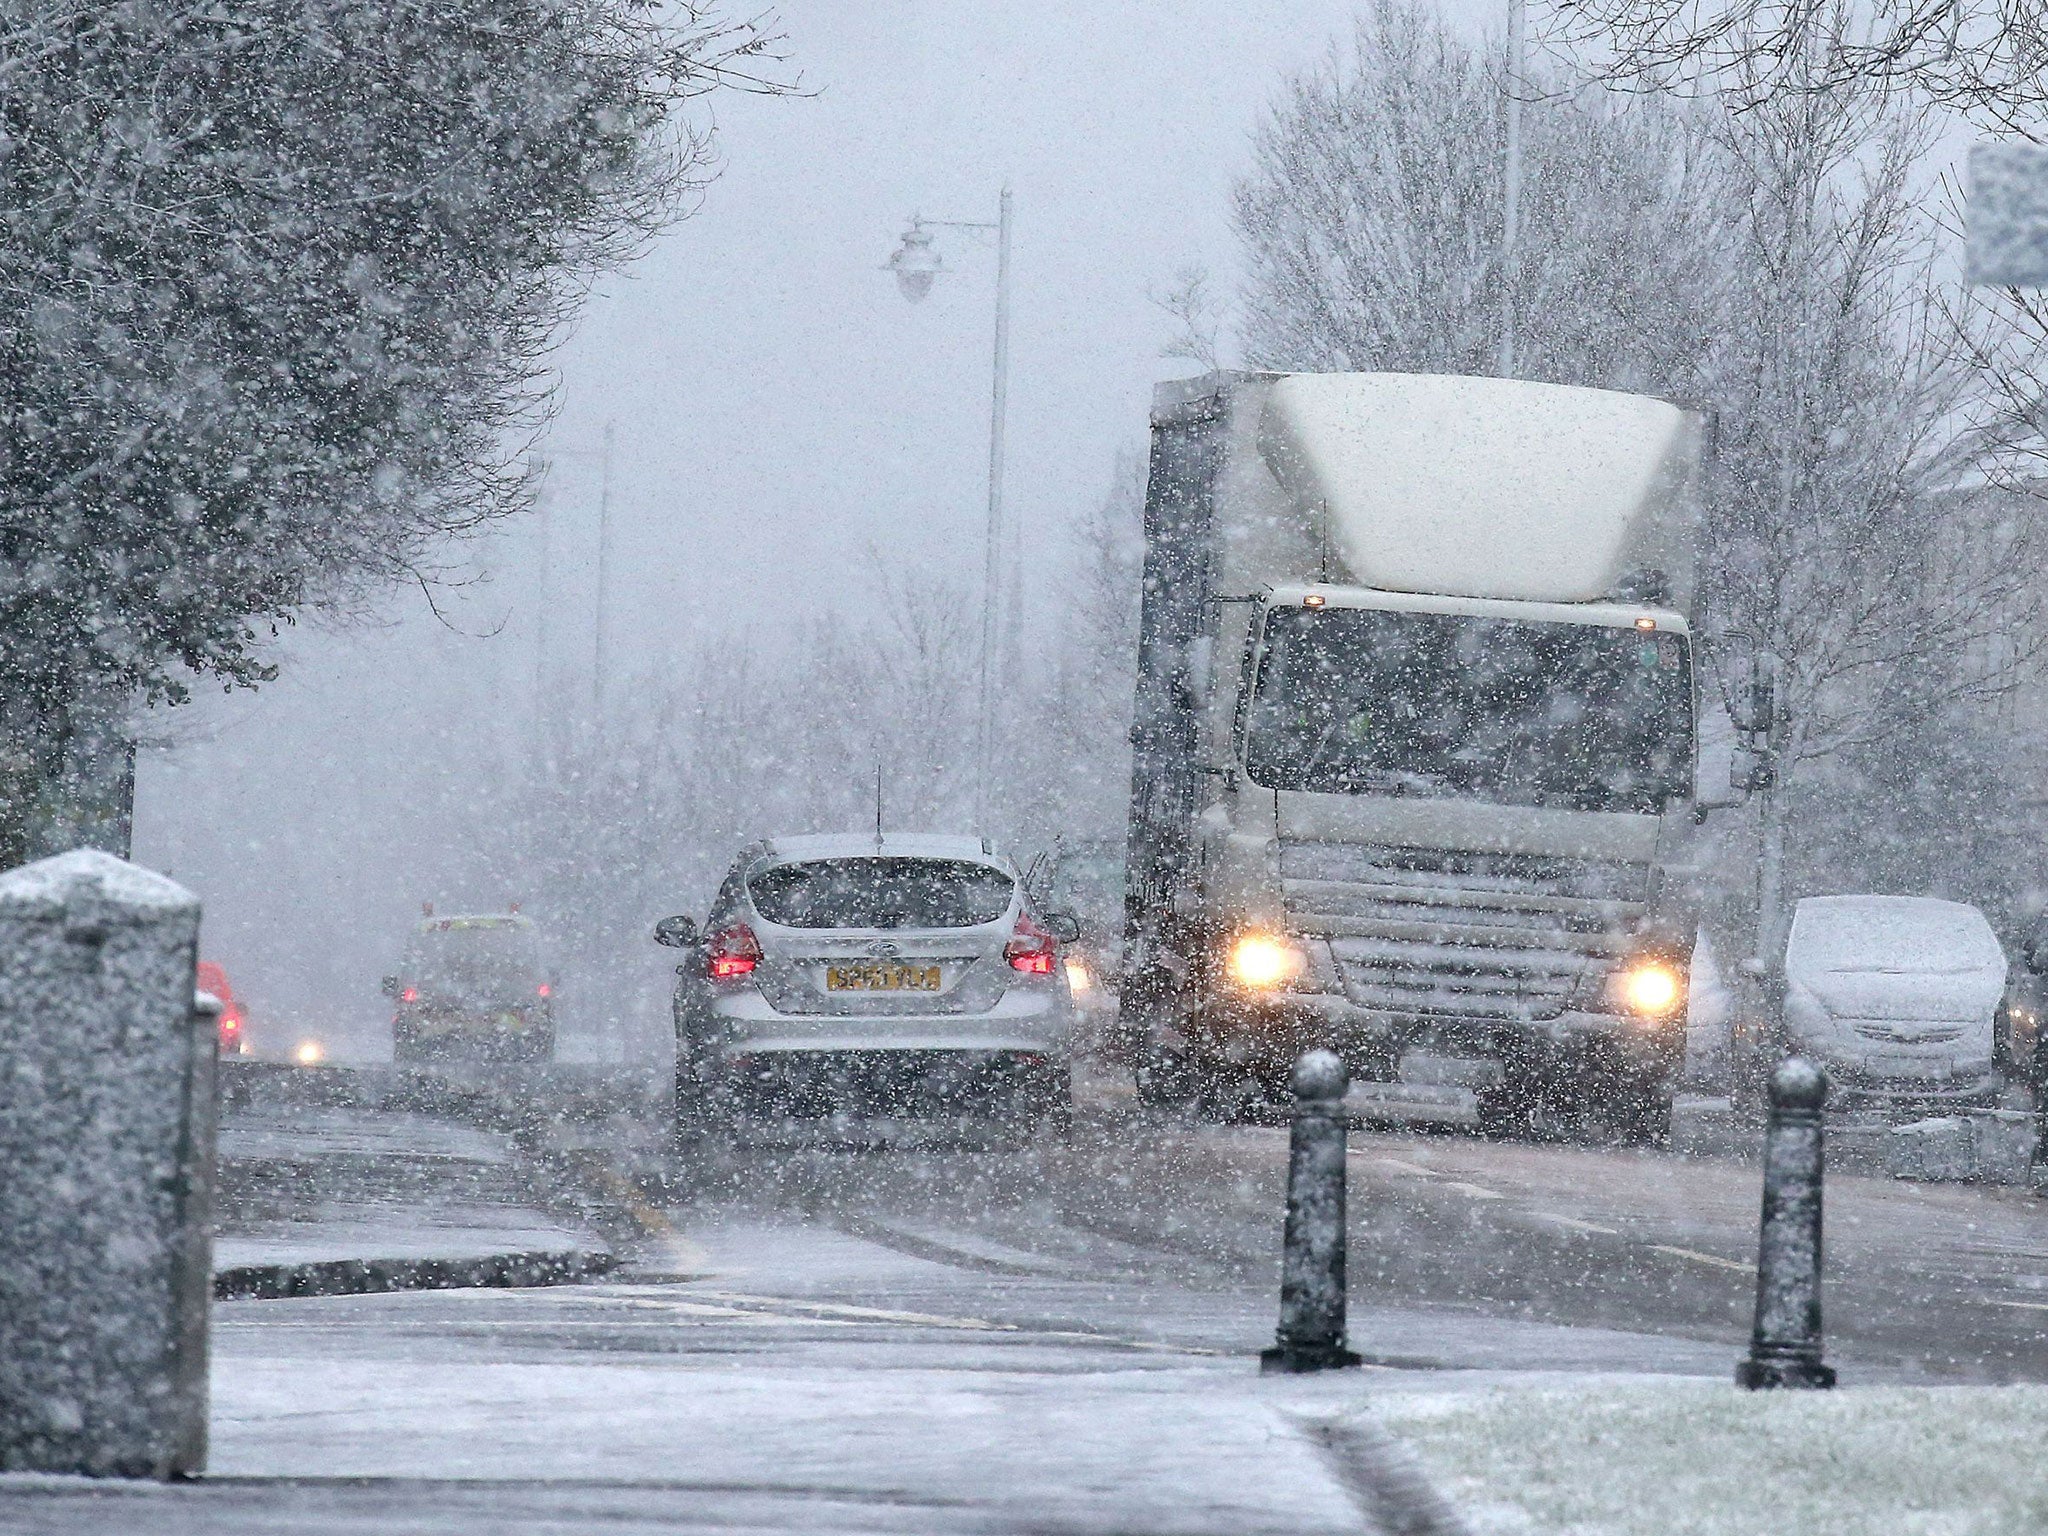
(1395,781)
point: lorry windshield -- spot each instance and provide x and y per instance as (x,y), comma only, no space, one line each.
(1372,701)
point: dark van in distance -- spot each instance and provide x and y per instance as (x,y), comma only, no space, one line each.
(473,987)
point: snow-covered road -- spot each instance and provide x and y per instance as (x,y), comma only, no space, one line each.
(1054,1338)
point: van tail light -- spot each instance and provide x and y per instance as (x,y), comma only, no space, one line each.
(1032,950)
(731,953)
(409,995)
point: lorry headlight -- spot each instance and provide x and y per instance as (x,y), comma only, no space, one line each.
(1649,989)
(1264,962)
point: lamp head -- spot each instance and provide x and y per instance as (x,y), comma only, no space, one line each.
(915,263)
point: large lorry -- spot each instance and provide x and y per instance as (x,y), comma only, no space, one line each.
(1414,744)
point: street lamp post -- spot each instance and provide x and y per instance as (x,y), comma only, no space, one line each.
(1511,185)
(916,266)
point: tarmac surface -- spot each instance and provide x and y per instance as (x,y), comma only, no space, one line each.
(1056,1337)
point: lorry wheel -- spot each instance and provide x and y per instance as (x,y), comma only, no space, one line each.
(1632,1110)
(1513,1108)
(1229,1099)
(1052,1112)
(1167,1080)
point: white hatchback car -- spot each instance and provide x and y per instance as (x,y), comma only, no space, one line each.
(859,978)
(1897,995)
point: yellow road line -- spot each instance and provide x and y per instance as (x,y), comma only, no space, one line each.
(653,1221)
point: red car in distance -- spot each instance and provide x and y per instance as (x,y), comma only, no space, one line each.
(233,1021)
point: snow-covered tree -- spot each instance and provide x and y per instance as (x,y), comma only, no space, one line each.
(1072,764)
(1985,57)
(1371,222)
(277,283)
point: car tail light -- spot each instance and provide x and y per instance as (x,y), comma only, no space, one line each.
(545,990)
(1032,950)
(731,952)
(409,995)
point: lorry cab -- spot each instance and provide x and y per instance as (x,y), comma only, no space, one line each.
(1415,740)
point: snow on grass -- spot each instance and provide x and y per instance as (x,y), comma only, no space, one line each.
(1687,1458)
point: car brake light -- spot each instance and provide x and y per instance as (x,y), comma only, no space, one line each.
(544,990)
(1032,950)
(409,995)
(731,952)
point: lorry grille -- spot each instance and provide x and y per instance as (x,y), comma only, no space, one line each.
(1430,931)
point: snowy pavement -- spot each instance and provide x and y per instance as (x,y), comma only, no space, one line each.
(1059,1339)
(318,1200)
(808,1380)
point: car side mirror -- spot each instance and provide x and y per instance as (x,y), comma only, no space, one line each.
(675,932)
(1063,926)
(389,986)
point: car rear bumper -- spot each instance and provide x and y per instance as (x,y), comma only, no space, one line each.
(1040,1022)
(504,1036)
(877,1084)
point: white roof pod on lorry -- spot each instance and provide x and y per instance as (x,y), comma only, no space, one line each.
(1491,488)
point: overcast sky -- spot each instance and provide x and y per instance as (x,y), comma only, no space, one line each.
(778,410)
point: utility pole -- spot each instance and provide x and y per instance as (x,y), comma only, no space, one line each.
(1511,183)
(991,585)
(604,554)
(543,711)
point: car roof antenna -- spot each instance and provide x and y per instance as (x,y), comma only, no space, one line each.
(878,805)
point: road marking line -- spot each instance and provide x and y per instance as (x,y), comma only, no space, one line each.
(1476,1191)
(1703,1258)
(870,1314)
(842,1315)
(2028,1306)
(1574,1223)
(1395,1162)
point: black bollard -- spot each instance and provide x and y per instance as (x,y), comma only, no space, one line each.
(1784,1347)
(1311,1335)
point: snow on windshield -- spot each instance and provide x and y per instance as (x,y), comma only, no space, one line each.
(881,893)
(1356,700)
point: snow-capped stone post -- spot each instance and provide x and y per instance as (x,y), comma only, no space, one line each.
(106,1171)
(1785,1345)
(1311,1334)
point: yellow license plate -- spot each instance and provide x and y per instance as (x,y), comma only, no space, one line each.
(881,978)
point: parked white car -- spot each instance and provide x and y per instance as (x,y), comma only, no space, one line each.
(1897,995)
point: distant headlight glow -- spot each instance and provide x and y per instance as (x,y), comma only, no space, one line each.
(310,1053)
(1263,962)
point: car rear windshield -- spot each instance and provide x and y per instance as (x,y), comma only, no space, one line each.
(881,893)
(474,962)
